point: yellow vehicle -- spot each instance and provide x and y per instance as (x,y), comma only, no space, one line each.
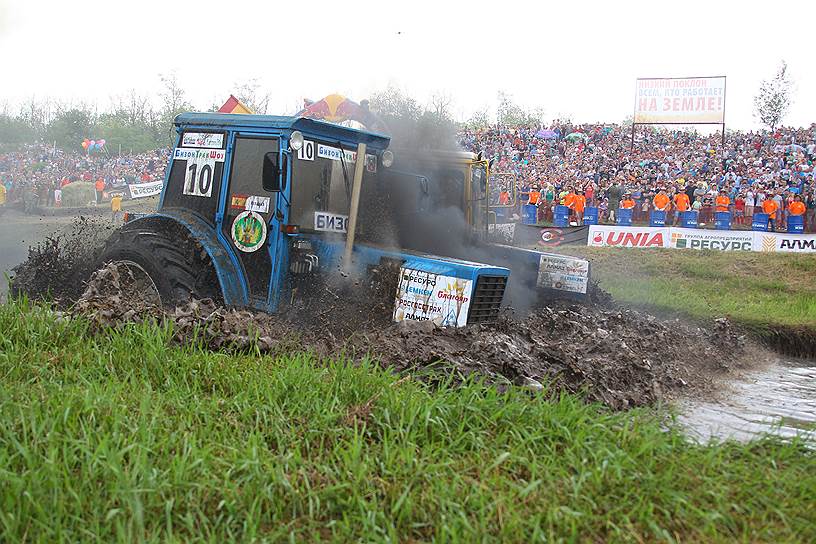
(448,203)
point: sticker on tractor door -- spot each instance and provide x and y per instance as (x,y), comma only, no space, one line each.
(423,296)
(238,201)
(248,231)
(330,222)
(258,204)
(199,170)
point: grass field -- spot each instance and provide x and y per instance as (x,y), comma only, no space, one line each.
(119,437)
(755,289)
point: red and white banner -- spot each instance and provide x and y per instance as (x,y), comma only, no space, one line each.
(680,100)
(613,236)
(700,239)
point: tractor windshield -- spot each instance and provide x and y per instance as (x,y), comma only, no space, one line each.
(322,177)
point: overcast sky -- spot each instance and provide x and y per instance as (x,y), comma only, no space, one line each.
(577,58)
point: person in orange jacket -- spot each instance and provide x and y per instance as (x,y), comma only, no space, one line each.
(722,202)
(100,187)
(661,201)
(578,205)
(769,206)
(681,203)
(535,195)
(797,207)
(627,203)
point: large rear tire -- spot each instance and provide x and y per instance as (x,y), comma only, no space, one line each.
(178,267)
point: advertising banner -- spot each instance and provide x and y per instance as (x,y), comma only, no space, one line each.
(614,236)
(721,240)
(700,239)
(141,190)
(680,100)
(563,273)
(773,241)
(423,296)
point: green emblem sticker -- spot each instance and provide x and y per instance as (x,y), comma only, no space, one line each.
(249,231)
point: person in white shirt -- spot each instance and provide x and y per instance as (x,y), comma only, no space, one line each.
(750,202)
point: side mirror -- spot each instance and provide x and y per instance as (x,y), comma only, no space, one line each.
(274,174)
(271,172)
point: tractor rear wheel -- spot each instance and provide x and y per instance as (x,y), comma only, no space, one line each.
(165,260)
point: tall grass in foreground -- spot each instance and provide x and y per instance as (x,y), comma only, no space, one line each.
(121,438)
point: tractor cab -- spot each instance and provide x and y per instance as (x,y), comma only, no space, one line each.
(277,204)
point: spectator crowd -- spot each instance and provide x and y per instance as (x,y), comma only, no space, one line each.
(671,170)
(35,174)
(580,166)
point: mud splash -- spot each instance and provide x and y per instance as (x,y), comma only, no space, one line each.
(618,357)
(58,267)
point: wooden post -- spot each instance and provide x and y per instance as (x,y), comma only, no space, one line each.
(355,202)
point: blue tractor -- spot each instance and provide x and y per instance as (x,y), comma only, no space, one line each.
(256,210)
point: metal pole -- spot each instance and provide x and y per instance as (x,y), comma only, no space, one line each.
(355,202)
(632,146)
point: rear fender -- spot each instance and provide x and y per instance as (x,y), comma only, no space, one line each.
(227,269)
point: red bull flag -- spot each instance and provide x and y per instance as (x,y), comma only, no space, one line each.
(233,105)
(335,108)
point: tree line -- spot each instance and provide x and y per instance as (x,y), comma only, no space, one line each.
(137,123)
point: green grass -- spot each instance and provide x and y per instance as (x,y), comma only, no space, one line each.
(755,289)
(119,437)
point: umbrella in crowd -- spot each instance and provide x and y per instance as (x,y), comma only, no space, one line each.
(547,134)
(794,147)
(575,136)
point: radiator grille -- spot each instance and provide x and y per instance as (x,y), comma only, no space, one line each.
(487,299)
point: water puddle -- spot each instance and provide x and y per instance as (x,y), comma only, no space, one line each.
(779,400)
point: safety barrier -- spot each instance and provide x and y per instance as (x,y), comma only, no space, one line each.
(689,219)
(796,224)
(722,220)
(529,214)
(760,222)
(561,216)
(625,217)
(657,218)
(591,215)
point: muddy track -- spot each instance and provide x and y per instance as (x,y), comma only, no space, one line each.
(617,356)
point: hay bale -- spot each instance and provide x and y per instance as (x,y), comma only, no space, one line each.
(78,194)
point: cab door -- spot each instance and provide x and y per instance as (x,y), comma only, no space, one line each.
(249,222)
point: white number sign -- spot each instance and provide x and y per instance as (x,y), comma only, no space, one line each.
(307,152)
(199,169)
(198,178)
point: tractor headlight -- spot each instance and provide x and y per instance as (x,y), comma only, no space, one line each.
(296,140)
(387,159)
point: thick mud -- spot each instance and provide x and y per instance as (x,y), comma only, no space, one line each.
(618,357)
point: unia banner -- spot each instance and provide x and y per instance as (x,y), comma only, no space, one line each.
(701,239)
